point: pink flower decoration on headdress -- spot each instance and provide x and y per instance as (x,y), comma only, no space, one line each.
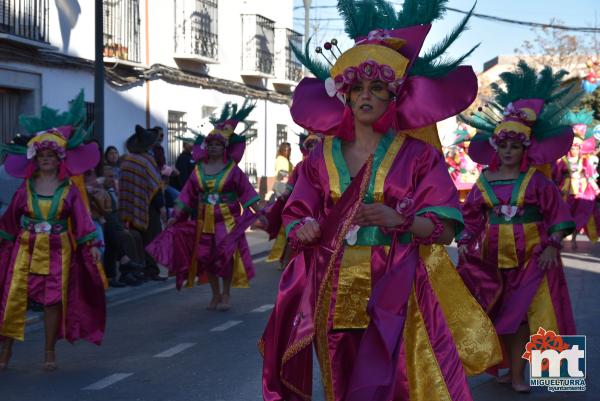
(378,34)
(387,73)
(350,75)
(368,70)
(512,112)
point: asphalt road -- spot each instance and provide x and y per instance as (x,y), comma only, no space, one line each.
(161,344)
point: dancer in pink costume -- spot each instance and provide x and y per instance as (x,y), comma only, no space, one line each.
(575,174)
(47,248)
(216,191)
(371,287)
(515,218)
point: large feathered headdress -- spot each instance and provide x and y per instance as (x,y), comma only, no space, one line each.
(224,126)
(528,107)
(64,133)
(427,88)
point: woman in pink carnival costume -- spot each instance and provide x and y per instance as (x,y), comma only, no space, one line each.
(217,190)
(371,287)
(575,175)
(515,218)
(47,252)
(280,250)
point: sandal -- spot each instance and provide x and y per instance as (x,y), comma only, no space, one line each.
(50,363)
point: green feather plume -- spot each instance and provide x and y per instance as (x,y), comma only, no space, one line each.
(317,68)
(525,83)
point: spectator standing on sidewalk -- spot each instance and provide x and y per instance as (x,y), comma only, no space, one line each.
(185,165)
(141,199)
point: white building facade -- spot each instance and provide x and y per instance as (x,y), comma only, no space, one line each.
(169,63)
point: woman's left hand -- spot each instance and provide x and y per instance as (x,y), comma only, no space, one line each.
(96,255)
(548,258)
(377,214)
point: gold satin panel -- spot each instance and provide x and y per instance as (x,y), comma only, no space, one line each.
(65,253)
(193,270)
(278,247)
(353,289)
(239,278)
(532,238)
(335,190)
(385,166)
(16,303)
(227,216)
(591,230)
(524,185)
(321,341)
(507,249)
(473,333)
(209,219)
(425,379)
(40,257)
(428,134)
(541,310)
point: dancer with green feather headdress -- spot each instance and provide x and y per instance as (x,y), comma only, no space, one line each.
(372,287)
(207,212)
(575,174)
(515,218)
(47,248)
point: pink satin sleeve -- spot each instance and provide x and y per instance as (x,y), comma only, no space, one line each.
(434,187)
(247,195)
(474,214)
(306,200)
(10,220)
(83,226)
(557,215)
(188,197)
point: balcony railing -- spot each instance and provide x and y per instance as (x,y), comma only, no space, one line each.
(258,34)
(288,70)
(122,29)
(196,29)
(25,18)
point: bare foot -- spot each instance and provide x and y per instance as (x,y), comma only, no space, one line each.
(504,379)
(214,302)
(50,362)
(5,358)
(224,305)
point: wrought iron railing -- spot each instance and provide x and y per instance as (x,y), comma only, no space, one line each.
(25,18)
(197,32)
(293,68)
(259,49)
(122,29)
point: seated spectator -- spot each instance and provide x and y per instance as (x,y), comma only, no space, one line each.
(123,246)
(111,158)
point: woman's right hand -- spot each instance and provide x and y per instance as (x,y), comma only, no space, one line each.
(309,232)
(462,252)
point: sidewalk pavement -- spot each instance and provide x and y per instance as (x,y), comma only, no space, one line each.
(258,242)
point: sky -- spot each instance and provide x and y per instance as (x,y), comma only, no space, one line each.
(496,38)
